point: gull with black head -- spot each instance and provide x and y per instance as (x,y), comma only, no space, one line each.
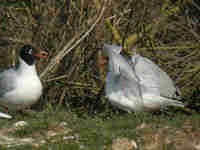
(20,86)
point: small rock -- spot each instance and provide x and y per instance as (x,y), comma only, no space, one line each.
(27,140)
(63,124)
(20,124)
(68,130)
(142,126)
(123,144)
(69,137)
(82,146)
(36,145)
(51,133)
(42,142)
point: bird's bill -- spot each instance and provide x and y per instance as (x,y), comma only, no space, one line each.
(41,54)
(102,59)
(102,64)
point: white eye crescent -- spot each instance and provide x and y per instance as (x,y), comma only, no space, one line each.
(30,51)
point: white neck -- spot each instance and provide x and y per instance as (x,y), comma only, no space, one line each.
(25,68)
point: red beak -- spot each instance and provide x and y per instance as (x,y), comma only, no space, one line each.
(41,54)
(102,61)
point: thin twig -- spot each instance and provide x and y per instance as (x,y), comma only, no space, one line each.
(62,97)
(183,47)
(16,40)
(66,49)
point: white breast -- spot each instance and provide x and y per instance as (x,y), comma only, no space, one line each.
(122,102)
(28,88)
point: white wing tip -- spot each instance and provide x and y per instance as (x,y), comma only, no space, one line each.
(3,115)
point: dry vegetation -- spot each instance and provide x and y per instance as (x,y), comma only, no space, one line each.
(73,31)
(164,31)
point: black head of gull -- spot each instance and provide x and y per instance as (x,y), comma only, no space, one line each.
(20,86)
(29,54)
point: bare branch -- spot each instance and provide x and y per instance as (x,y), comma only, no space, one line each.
(67,48)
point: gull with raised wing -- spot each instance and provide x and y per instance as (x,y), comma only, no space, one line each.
(137,84)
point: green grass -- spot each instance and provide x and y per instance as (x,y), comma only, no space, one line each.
(95,132)
(51,25)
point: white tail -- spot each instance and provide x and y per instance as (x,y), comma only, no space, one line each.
(157,102)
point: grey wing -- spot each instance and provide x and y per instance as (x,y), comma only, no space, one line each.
(153,78)
(131,89)
(120,65)
(117,61)
(7,81)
